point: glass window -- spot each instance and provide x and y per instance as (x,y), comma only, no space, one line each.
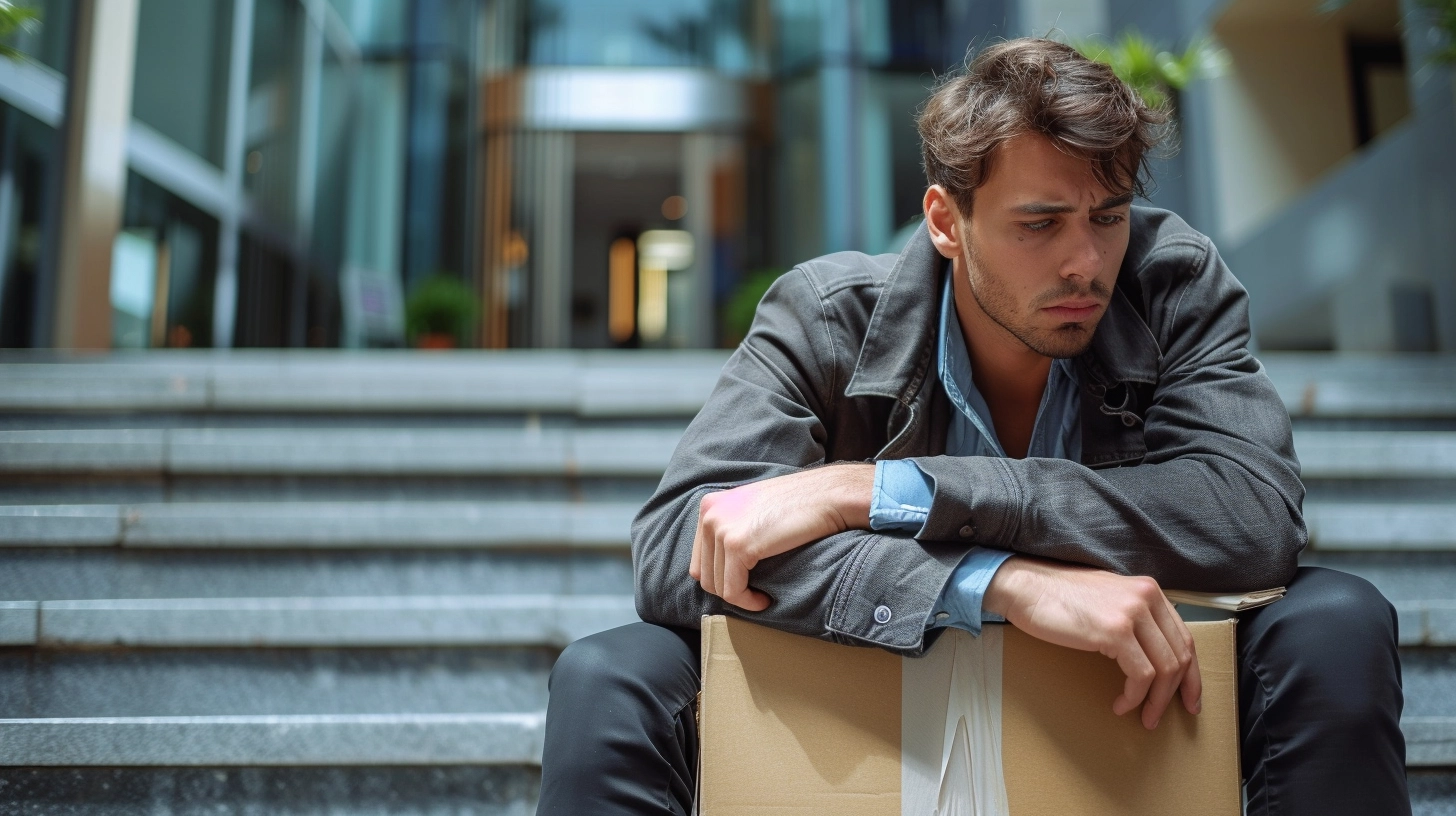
(47,39)
(375,24)
(715,34)
(271,141)
(164,264)
(29,163)
(265,295)
(182,72)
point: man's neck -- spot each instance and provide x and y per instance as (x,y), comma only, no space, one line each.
(1000,363)
(1009,376)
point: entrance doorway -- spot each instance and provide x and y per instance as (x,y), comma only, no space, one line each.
(632,252)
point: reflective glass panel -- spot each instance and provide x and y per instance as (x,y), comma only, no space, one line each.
(181,72)
(29,164)
(164,264)
(271,140)
(716,34)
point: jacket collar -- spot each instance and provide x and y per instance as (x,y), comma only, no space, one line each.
(900,338)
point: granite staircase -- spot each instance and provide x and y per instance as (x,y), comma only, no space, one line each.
(288,583)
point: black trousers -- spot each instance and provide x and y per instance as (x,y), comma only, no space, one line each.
(1319,699)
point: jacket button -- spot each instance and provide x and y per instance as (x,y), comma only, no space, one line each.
(967,531)
(882,614)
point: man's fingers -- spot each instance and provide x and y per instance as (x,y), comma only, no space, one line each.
(1191,689)
(735,586)
(735,581)
(1138,671)
(1167,665)
(720,554)
(694,566)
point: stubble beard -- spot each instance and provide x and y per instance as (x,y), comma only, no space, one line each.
(1063,342)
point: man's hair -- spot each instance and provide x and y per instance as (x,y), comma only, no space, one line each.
(1036,86)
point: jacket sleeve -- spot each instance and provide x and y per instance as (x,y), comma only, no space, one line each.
(1215,503)
(766,418)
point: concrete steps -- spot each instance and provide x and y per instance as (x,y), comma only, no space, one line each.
(525,524)
(1376,437)
(411,620)
(255,572)
(598,384)
(340,451)
(260,740)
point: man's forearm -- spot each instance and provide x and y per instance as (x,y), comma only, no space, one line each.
(737,528)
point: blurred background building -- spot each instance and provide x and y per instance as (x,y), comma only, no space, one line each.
(288,581)
(289,173)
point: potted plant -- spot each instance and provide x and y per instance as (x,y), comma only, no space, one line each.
(1156,74)
(440,313)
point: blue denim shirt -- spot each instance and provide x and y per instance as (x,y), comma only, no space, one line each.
(903,492)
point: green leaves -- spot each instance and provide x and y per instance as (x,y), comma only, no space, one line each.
(1154,73)
(1443,16)
(441,305)
(14,18)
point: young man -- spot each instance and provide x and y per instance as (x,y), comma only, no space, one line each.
(1042,411)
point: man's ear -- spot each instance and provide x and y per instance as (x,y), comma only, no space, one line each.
(942,218)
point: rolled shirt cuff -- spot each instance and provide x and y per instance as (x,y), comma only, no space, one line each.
(902,496)
(960,600)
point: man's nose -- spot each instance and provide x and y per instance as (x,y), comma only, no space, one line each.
(1084,259)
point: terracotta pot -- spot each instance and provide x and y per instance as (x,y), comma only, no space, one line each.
(434,341)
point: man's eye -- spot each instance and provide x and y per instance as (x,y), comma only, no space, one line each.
(1107,220)
(1038,226)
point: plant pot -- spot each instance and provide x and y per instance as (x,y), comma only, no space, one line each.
(434,341)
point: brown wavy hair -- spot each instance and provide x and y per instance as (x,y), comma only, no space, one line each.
(1038,86)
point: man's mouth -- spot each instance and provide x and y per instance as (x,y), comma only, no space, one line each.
(1073,311)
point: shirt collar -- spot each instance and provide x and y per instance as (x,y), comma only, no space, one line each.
(953,365)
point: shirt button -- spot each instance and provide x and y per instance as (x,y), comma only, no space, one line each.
(967,531)
(882,614)
(941,615)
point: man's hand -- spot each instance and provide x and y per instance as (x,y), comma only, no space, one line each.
(738,528)
(1126,619)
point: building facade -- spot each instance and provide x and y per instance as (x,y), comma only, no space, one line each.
(286,173)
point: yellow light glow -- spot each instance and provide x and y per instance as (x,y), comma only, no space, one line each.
(652,307)
(622,289)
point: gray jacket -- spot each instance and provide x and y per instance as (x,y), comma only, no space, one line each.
(1188,471)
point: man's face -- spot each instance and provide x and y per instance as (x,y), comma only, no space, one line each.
(1042,247)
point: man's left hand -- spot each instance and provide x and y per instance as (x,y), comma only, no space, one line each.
(737,528)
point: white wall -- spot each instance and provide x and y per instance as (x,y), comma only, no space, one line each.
(1281,118)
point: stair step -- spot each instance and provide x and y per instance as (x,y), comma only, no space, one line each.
(1324,454)
(373,739)
(1354,526)
(295,739)
(581,383)
(1429,741)
(458,620)
(420,790)
(1381,526)
(1376,454)
(1364,385)
(1427,623)
(348,451)
(101,573)
(411,620)
(321,524)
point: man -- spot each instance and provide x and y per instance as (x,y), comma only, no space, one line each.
(1043,410)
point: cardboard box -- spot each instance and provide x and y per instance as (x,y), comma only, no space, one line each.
(793,725)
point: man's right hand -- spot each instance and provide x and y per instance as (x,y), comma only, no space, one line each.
(1126,619)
